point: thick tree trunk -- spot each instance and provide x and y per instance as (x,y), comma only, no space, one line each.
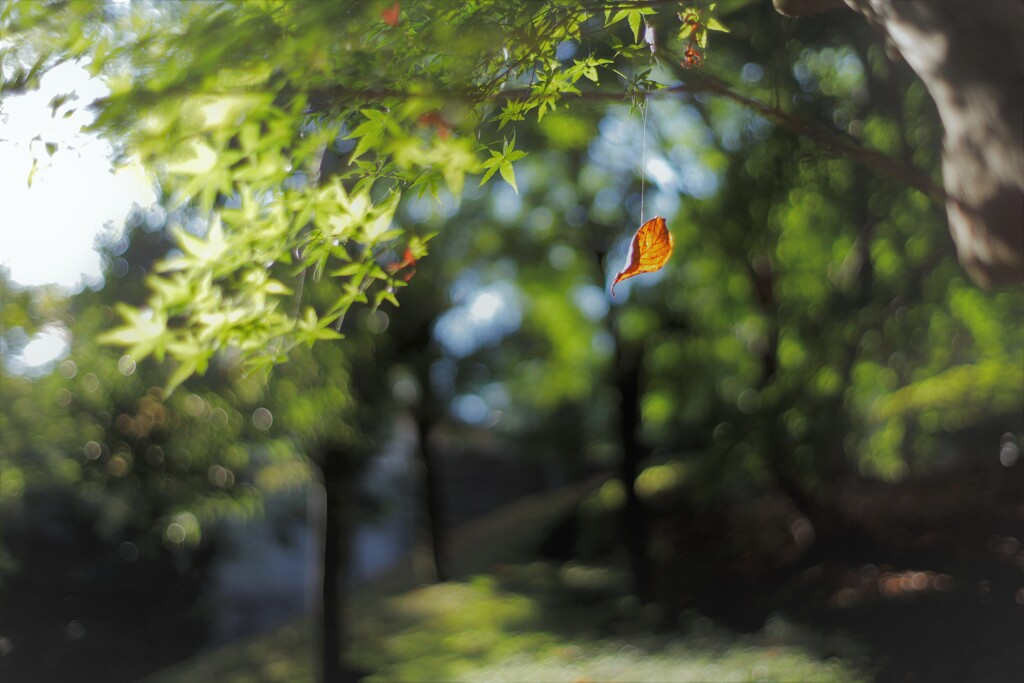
(970,57)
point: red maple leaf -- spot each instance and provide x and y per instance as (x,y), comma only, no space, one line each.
(407,260)
(390,15)
(434,120)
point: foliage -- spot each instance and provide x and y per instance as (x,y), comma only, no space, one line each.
(801,328)
(111,490)
(811,323)
(236,105)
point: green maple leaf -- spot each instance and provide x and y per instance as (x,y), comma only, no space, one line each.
(501,162)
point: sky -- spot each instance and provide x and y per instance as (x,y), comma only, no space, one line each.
(48,229)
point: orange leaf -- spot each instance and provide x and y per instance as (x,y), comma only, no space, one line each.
(407,260)
(437,122)
(649,251)
(390,15)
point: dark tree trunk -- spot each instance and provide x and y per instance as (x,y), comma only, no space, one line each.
(414,343)
(338,472)
(777,456)
(634,515)
(431,484)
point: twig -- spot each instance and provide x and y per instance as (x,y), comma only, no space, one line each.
(909,175)
(696,83)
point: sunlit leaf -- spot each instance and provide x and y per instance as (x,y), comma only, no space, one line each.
(502,162)
(648,252)
(713,24)
(194,158)
(635,21)
(509,174)
(143,332)
(186,368)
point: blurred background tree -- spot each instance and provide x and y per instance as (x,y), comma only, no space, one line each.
(108,487)
(813,325)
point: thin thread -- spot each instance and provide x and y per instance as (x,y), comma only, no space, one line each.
(643,154)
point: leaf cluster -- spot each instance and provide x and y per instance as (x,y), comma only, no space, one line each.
(295,129)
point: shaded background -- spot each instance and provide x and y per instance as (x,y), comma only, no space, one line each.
(792,454)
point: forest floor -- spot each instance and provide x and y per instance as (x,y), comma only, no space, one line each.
(921,581)
(926,576)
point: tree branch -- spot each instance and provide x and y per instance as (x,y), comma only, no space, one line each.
(909,175)
(696,83)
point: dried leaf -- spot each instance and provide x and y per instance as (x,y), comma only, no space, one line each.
(648,252)
(692,57)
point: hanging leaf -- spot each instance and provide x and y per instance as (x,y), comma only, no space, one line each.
(648,252)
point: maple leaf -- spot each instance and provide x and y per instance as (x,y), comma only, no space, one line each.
(434,120)
(407,260)
(648,252)
(390,15)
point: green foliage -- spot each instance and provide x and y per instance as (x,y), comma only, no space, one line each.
(803,327)
(237,105)
(294,129)
(301,132)
(696,22)
(100,427)
(502,161)
(634,17)
(812,321)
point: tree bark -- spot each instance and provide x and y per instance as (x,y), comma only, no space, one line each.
(804,8)
(970,57)
(431,483)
